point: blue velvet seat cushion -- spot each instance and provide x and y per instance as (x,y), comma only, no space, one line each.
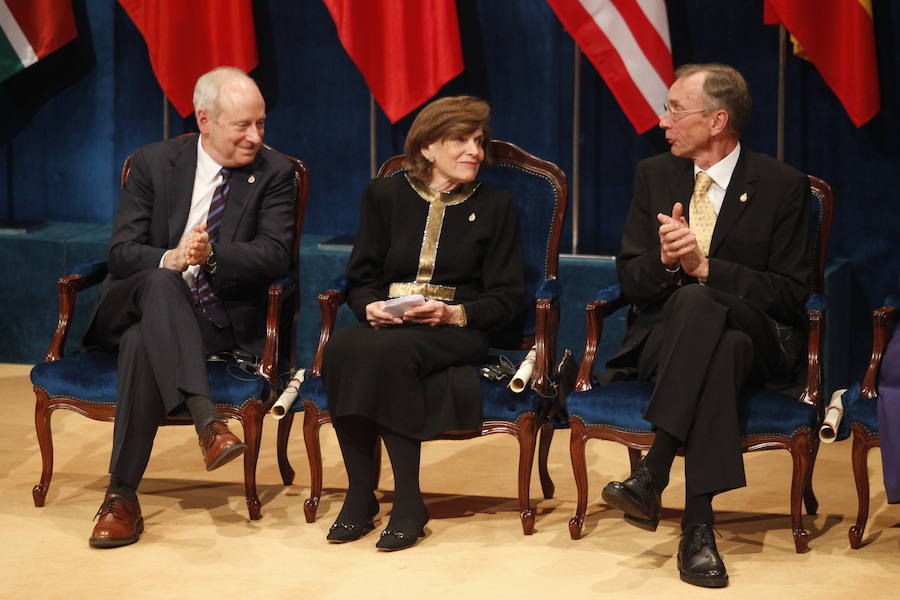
(858,411)
(91,377)
(621,404)
(498,402)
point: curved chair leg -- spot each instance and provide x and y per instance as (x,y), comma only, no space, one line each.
(800,455)
(861,476)
(45,441)
(809,496)
(252,422)
(311,426)
(634,456)
(527,441)
(579,466)
(547,486)
(284,434)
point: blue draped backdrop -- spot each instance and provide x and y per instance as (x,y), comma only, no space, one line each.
(69,121)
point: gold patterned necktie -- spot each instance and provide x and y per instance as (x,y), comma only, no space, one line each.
(702,214)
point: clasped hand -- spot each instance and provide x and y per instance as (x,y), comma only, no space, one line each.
(433,312)
(192,249)
(678,245)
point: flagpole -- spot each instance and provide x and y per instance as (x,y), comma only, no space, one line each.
(782,71)
(165,117)
(373,137)
(576,147)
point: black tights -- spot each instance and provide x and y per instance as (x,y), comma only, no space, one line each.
(358,438)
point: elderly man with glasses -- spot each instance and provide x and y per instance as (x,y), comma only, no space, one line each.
(715,258)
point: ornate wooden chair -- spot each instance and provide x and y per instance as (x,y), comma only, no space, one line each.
(541,190)
(769,420)
(861,413)
(86,382)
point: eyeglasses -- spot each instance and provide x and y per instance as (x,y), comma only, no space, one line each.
(677,114)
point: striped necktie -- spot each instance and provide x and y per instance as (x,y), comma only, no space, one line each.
(202,290)
(702,213)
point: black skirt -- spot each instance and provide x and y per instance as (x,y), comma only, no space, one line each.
(416,380)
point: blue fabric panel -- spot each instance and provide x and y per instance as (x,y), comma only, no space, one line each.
(858,411)
(498,401)
(537,200)
(90,270)
(338,283)
(286,280)
(772,413)
(621,405)
(91,377)
(610,293)
(312,389)
(817,302)
(549,289)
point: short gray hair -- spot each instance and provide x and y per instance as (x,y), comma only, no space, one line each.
(724,88)
(209,86)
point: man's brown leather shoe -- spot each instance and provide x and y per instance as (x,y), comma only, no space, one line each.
(119,523)
(219,445)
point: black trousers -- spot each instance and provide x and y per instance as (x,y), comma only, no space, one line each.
(700,356)
(162,343)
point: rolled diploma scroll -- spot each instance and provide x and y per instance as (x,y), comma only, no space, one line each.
(833,414)
(288,396)
(523,375)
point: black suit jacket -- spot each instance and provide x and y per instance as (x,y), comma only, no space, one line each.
(255,236)
(759,252)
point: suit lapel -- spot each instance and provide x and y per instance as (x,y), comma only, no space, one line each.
(682,186)
(737,197)
(180,187)
(244,183)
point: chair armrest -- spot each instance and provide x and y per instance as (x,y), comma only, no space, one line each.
(816,305)
(279,290)
(329,301)
(606,302)
(883,321)
(83,276)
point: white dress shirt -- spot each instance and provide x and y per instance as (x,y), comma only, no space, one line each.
(720,173)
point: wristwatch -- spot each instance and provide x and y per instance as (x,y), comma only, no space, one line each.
(211,263)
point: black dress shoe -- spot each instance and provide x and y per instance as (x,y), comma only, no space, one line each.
(638,497)
(347,530)
(699,562)
(403,532)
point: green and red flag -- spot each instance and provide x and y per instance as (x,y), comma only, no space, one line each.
(32,29)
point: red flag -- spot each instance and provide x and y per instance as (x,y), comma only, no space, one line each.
(32,29)
(405,50)
(187,38)
(838,37)
(627,41)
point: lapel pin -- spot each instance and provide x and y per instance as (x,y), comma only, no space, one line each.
(472,217)
(743,197)
(252,178)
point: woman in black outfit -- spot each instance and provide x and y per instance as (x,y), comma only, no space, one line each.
(436,232)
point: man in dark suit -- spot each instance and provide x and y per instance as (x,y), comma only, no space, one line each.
(204,223)
(715,258)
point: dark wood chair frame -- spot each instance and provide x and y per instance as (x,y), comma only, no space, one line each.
(281,317)
(803,446)
(546,326)
(884,320)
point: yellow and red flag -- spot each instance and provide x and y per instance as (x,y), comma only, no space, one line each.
(838,37)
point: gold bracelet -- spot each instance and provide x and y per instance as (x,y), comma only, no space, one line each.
(463,320)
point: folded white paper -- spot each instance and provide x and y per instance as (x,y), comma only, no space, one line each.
(832,420)
(521,377)
(288,396)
